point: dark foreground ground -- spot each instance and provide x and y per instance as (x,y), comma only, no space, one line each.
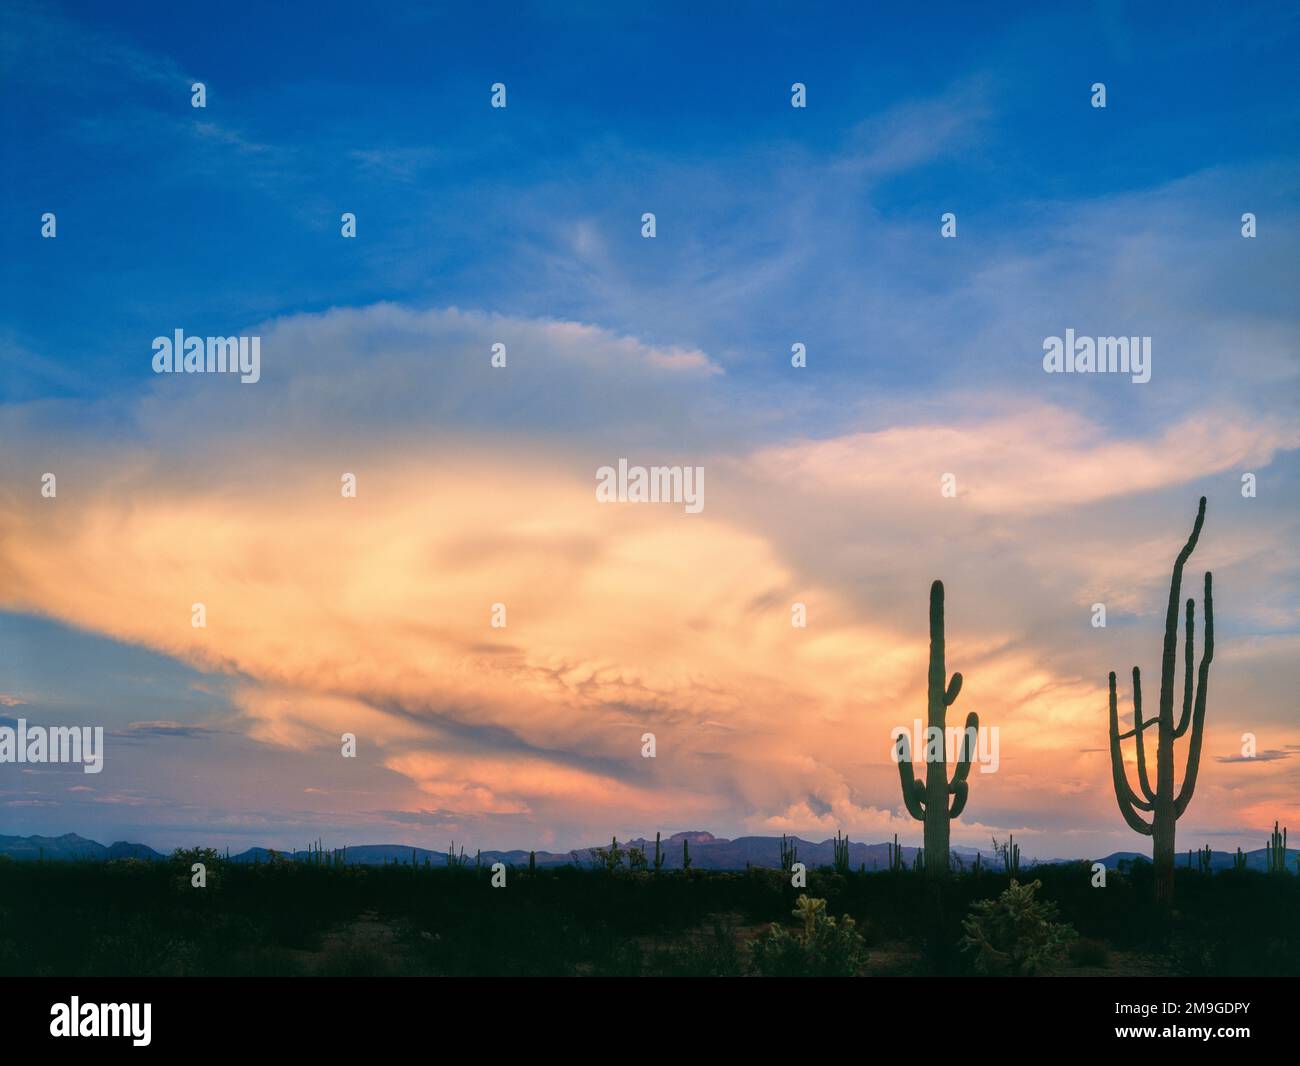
(132,918)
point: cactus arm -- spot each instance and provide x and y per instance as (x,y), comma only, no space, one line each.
(954,687)
(1129,804)
(1137,731)
(1198,713)
(1138,727)
(960,790)
(913,790)
(1188,639)
(964,755)
(1169,657)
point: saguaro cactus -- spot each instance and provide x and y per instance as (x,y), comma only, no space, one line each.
(841,853)
(928,803)
(789,854)
(1166,808)
(895,856)
(1275,851)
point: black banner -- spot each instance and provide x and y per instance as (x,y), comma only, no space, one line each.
(165,1016)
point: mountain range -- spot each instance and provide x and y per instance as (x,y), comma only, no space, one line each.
(707,852)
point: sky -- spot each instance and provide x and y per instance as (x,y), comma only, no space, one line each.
(774,226)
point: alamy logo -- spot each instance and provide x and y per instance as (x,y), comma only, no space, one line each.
(102,1019)
(1098,355)
(179,354)
(656,484)
(55,744)
(975,744)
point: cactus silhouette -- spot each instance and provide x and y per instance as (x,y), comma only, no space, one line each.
(841,853)
(1275,851)
(895,856)
(928,803)
(659,854)
(789,854)
(686,855)
(1010,853)
(1166,808)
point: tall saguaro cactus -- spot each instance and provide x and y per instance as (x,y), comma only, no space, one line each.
(1163,805)
(928,803)
(841,853)
(789,854)
(1275,851)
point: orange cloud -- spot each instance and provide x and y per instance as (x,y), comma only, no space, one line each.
(373,615)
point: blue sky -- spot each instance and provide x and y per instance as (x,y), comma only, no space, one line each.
(775,225)
(172,213)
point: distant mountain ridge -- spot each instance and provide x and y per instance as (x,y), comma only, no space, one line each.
(71,846)
(707,852)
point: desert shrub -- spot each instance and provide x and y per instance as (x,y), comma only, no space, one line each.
(823,948)
(1015,934)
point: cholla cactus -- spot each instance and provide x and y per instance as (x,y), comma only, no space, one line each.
(1015,934)
(929,803)
(1163,805)
(808,910)
(823,948)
